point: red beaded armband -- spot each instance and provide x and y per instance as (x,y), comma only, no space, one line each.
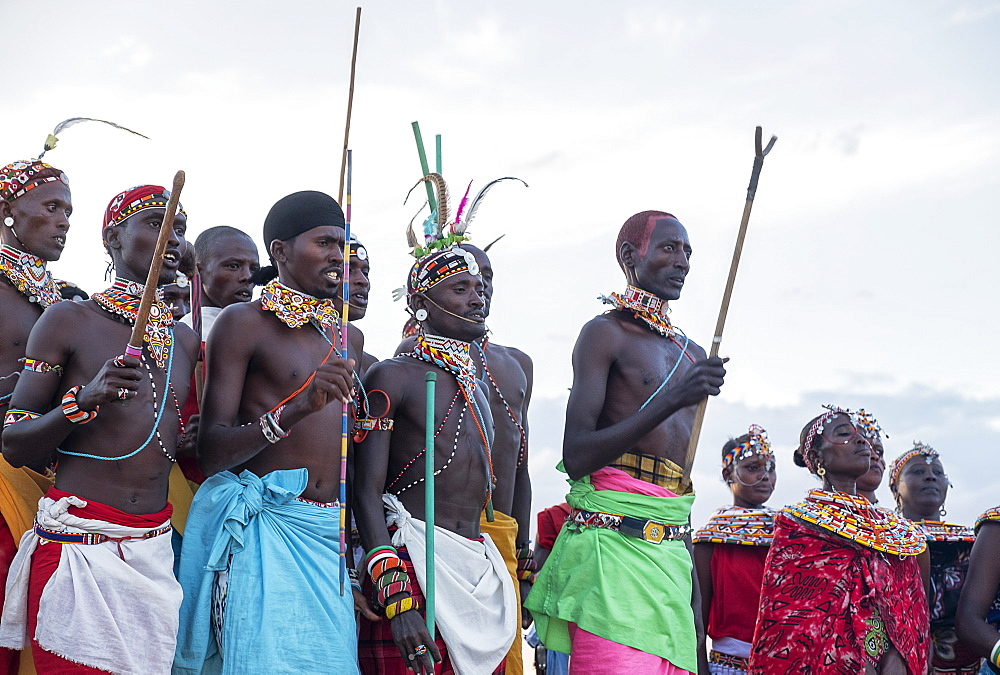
(14,416)
(72,411)
(382,566)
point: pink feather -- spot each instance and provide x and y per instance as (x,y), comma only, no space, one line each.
(461,208)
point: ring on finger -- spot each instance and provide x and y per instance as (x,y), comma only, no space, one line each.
(119,362)
(123,394)
(419,650)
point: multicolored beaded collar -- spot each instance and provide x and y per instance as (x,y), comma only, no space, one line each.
(28,275)
(896,468)
(644,305)
(738,525)
(853,517)
(294,308)
(757,444)
(939,531)
(123,299)
(993,515)
(451,355)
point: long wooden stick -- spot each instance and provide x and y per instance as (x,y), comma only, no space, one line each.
(134,347)
(350,106)
(430,377)
(720,324)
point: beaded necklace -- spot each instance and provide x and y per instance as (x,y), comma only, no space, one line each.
(155,431)
(522,451)
(854,518)
(454,448)
(738,525)
(940,531)
(27,273)
(295,308)
(123,299)
(652,310)
(453,356)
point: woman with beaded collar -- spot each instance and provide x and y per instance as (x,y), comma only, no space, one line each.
(842,585)
(729,552)
(978,617)
(920,486)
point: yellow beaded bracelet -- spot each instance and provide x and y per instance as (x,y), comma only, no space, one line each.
(395,608)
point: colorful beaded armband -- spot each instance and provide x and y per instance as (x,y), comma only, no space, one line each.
(526,564)
(374,424)
(396,608)
(36,366)
(353,575)
(270,424)
(14,416)
(72,411)
(995,654)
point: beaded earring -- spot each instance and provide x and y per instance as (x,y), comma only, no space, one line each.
(420,314)
(821,471)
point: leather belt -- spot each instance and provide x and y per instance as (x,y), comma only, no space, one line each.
(648,530)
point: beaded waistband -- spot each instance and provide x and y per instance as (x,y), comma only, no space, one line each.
(647,530)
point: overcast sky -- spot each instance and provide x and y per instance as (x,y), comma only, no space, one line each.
(870,266)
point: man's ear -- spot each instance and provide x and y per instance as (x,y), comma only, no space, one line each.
(112,237)
(279,250)
(628,254)
(418,301)
(5,209)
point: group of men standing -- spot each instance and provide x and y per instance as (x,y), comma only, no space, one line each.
(89,535)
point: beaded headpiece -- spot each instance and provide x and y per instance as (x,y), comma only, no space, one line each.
(896,468)
(133,200)
(358,249)
(817,428)
(756,444)
(17,178)
(440,255)
(869,425)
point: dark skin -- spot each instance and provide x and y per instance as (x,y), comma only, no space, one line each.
(357,306)
(84,339)
(177,299)
(41,221)
(868,483)
(618,362)
(461,489)
(846,454)
(979,592)
(225,272)
(922,489)
(255,361)
(752,482)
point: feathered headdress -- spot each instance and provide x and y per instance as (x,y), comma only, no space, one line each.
(51,140)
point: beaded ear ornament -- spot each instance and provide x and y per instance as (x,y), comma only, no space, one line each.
(757,444)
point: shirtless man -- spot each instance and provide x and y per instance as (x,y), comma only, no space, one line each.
(35,216)
(636,380)
(226,260)
(274,395)
(476,627)
(115,437)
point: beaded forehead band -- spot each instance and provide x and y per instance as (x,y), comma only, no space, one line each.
(819,425)
(896,468)
(869,425)
(757,444)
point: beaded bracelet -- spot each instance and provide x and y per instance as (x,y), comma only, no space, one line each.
(383,565)
(14,416)
(396,608)
(526,564)
(392,589)
(391,576)
(353,575)
(995,654)
(72,411)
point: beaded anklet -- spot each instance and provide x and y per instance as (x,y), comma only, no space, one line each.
(72,411)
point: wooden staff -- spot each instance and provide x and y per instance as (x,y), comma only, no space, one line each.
(430,377)
(350,105)
(134,347)
(699,417)
(199,372)
(345,285)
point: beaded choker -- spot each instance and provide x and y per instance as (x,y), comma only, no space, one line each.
(123,299)
(738,525)
(939,531)
(294,308)
(28,275)
(852,517)
(451,355)
(643,305)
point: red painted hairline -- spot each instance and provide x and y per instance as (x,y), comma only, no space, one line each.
(648,232)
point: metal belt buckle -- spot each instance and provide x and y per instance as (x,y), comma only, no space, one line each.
(647,530)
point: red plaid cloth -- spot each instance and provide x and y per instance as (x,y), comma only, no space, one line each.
(377,651)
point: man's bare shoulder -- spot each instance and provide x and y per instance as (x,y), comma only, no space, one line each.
(604,331)
(522,359)
(187,338)
(66,314)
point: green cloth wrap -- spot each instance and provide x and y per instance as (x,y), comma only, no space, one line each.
(621,588)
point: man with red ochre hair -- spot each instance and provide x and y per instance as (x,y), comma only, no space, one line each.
(637,379)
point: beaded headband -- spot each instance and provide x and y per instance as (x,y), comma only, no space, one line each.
(817,428)
(17,178)
(757,444)
(896,468)
(358,249)
(133,200)
(869,425)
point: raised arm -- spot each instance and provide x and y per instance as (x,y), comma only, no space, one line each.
(33,441)
(586,448)
(223,442)
(979,591)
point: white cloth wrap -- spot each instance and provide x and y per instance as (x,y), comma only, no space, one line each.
(98,609)
(208,317)
(475,607)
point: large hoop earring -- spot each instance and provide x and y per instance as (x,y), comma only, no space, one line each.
(943,512)
(821,471)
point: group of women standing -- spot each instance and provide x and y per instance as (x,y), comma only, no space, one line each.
(843,584)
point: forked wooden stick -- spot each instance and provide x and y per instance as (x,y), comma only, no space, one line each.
(134,347)
(699,417)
